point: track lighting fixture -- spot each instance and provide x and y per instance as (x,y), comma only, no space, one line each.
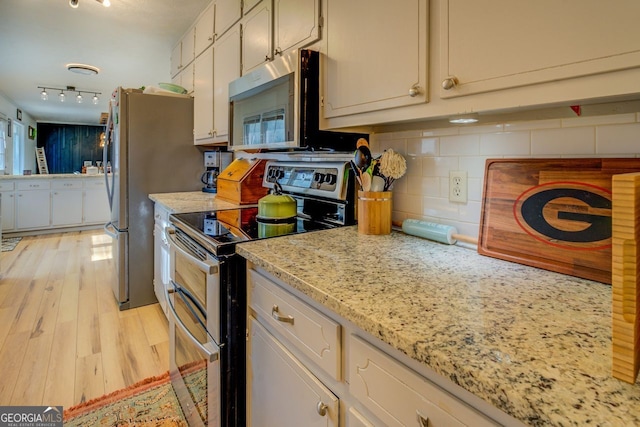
(44,95)
(73,3)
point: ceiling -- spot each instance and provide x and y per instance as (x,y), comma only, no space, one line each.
(130,42)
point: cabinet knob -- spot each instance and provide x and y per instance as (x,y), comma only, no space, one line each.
(267,58)
(210,133)
(322,409)
(414,91)
(449,83)
(277,51)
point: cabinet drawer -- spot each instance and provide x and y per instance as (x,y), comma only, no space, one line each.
(400,396)
(32,185)
(6,185)
(66,184)
(311,332)
(94,183)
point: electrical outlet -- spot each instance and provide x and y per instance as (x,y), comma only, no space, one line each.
(458,186)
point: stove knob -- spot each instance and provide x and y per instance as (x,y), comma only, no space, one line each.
(318,177)
(330,179)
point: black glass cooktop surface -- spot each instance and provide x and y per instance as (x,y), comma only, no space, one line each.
(219,231)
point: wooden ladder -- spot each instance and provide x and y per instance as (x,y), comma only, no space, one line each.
(42,161)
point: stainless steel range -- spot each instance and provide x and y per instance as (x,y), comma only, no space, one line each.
(207,295)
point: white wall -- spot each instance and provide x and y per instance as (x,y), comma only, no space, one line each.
(9,109)
(431,153)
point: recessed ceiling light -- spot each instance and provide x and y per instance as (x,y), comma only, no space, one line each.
(83,69)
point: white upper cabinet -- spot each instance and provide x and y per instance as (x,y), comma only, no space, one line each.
(183,52)
(274,27)
(228,12)
(256,37)
(204,30)
(370,66)
(203,97)
(226,68)
(497,44)
(296,24)
(248,5)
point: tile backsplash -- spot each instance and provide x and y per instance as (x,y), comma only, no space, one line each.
(423,193)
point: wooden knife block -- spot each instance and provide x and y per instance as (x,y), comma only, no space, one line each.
(241,181)
(625,272)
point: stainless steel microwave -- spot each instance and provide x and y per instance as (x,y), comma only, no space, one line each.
(276,106)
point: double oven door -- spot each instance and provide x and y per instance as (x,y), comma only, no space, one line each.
(193,302)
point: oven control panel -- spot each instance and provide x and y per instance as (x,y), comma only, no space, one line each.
(326,179)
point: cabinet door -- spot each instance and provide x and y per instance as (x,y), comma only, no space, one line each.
(8,211)
(204,30)
(66,207)
(187,79)
(256,37)
(283,392)
(381,66)
(33,209)
(226,68)
(540,41)
(296,24)
(188,47)
(203,96)
(96,203)
(401,397)
(176,54)
(248,5)
(228,12)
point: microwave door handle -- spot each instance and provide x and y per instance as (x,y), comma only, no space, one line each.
(207,266)
(207,348)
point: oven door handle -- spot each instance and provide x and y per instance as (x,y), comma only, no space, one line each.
(207,266)
(207,348)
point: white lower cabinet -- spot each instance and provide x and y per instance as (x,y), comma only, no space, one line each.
(66,202)
(283,392)
(33,204)
(306,366)
(8,205)
(400,396)
(95,202)
(161,255)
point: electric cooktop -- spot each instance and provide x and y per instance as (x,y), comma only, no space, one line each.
(219,231)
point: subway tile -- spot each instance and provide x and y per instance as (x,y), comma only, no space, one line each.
(406,134)
(555,142)
(441,132)
(407,203)
(464,130)
(506,143)
(422,146)
(460,145)
(439,166)
(474,187)
(470,211)
(474,165)
(599,120)
(531,125)
(618,139)
(398,145)
(439,207)
(423,186)
(415,165)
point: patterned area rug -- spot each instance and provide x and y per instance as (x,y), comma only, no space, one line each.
(10,243)
(149,403)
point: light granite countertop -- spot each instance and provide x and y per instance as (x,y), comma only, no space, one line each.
(51,176)
(191,201)
(533,343)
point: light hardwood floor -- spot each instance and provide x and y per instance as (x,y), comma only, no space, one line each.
(63,340)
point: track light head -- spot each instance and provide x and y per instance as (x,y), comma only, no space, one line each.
(73,3)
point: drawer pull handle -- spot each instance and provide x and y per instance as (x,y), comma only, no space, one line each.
(322,409)
(422,420)
(276,315)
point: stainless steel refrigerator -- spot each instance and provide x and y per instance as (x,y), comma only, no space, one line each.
(149,150)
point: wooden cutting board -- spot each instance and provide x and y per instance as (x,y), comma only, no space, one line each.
(553,214)
(625,277)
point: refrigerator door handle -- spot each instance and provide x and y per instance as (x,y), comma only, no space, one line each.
(107,229)
(105,155)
